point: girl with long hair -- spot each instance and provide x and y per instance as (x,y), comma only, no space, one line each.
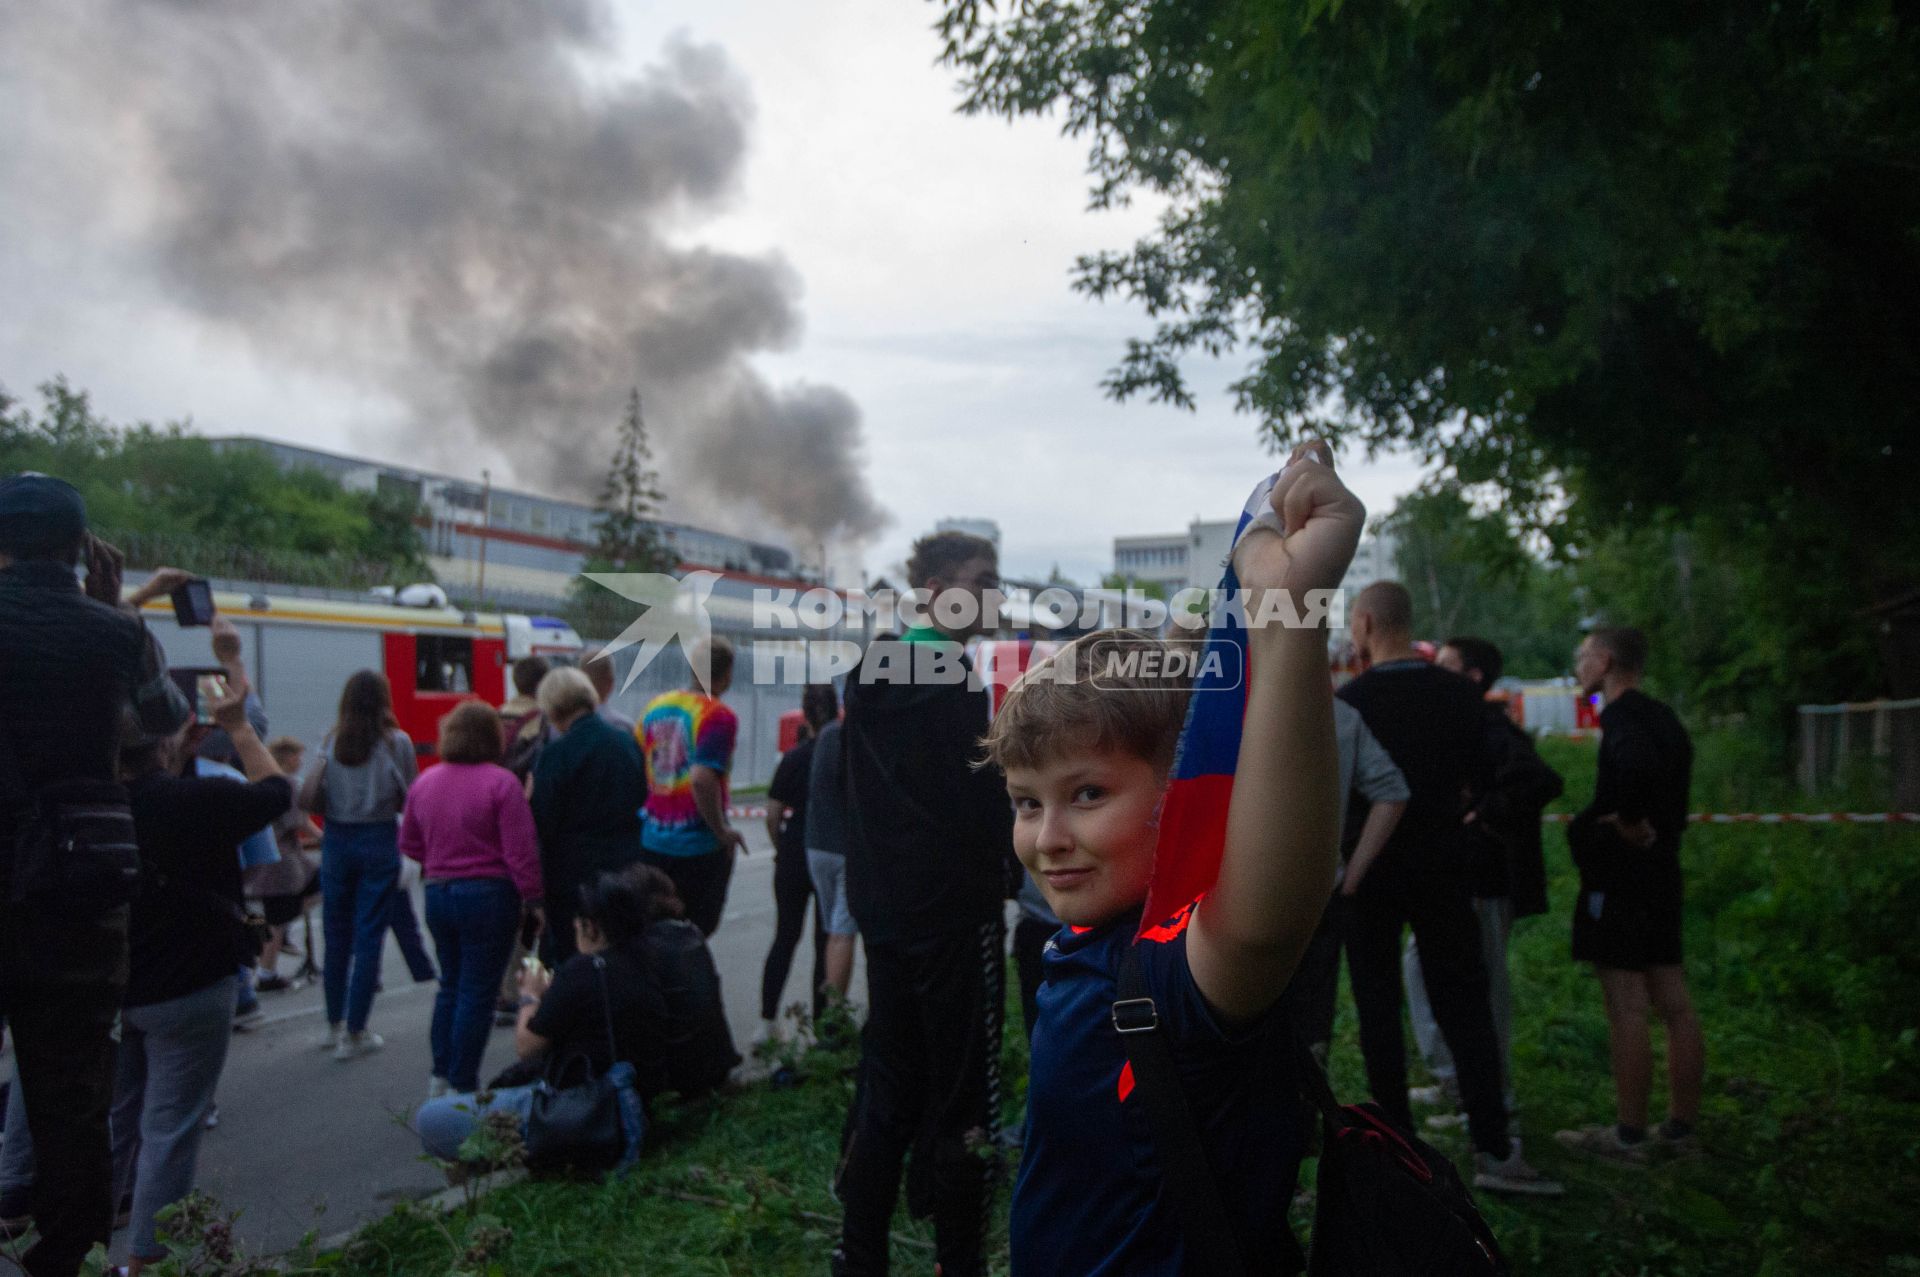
(359,787)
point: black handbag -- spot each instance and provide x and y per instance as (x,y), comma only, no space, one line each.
(74,845)
(584,1123)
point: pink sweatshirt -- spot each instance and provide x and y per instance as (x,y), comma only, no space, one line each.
(471,820)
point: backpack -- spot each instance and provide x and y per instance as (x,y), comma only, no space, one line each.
(73,842)
(525,744)
(699,1046)
(1387,1204)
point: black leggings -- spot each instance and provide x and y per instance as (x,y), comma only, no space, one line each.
(792,889)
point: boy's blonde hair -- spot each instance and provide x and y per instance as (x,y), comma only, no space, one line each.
(1081,701)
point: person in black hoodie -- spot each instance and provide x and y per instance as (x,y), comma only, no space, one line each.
(1506,867)
(928,844)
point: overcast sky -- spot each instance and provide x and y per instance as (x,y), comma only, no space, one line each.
(932,253)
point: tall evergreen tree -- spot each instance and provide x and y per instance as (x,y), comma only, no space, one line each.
(627,531)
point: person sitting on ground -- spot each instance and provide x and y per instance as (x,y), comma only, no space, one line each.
(467,823)
(699,1047)
(186,933)
(563,1014)
(587,791)
(287,888)
(1627,917)
(1086,764)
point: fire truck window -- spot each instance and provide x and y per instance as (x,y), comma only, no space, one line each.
(443,664)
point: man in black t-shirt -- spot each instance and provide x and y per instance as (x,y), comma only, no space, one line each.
(1432,724)
(1627,918)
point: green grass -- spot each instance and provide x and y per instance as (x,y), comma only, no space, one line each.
(1803,952)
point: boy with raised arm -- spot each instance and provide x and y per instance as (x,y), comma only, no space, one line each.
(1087,764)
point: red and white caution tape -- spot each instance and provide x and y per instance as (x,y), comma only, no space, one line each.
(1784,818)
(746,813)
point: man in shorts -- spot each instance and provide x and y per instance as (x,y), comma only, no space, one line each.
(1627,917)
(826,839)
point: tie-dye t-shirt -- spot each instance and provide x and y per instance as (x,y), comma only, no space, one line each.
(679,731)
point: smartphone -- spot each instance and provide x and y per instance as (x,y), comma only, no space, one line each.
(193,602)
(207,690)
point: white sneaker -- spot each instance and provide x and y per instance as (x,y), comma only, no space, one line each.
(1604,1143)
(1439,1095)
(1446,1121)
(335,1034)
(355,1045)
(1514,1175)
(769,1031)
(437,1087)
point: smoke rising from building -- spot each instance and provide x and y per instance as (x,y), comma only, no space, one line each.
(458,202)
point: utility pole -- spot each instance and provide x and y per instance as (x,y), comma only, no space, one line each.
(486,517)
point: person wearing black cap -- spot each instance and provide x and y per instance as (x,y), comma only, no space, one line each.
(70,668)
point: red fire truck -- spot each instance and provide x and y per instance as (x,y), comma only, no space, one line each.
(300,652)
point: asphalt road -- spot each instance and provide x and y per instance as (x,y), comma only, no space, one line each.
(307,1144)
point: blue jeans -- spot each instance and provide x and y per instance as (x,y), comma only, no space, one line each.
(359,869)
(406,934)
(474,922)
(444,1124)
(165,1074)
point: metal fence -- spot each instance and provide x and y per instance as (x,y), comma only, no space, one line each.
(1869,747)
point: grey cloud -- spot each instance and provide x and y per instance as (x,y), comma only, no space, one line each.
(454,202)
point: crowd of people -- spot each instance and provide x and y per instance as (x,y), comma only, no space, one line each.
(574,864)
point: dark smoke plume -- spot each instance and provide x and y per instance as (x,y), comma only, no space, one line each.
(458,202)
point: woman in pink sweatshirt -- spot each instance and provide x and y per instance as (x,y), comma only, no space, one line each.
(468,824)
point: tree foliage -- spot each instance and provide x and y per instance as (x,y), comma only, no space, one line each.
(627,531)
(1470,573)
(1146,589)
(1655,256)
(170,486)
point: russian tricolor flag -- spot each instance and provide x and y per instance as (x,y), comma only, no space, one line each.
(1193,812)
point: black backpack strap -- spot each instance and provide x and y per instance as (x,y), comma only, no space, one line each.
(1212,1244)
(1311,1077)
(606,1009)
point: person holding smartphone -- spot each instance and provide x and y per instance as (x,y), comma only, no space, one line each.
(187,934)
(72,662)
